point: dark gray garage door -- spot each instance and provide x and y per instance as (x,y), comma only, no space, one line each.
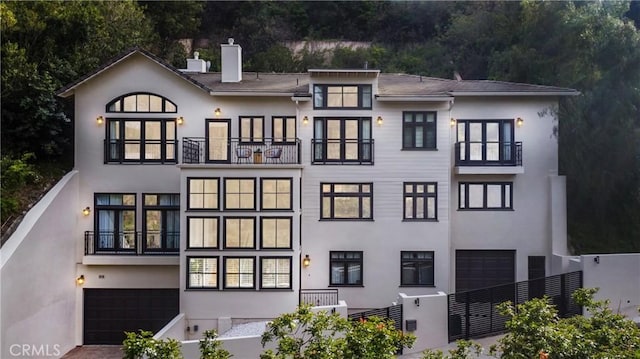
(484,268)
(108,313)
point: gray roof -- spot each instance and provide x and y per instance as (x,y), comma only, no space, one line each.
(297,84)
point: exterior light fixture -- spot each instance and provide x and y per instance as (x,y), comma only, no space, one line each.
(453,122)
(180,120)
(100,120)
(417,302)
(305,120)
(519,121)
(379,120)
(80,280)
(217,112)
(596,259)
(86,211)
(306,261)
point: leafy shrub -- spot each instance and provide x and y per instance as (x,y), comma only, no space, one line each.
(142,345)
(210,348)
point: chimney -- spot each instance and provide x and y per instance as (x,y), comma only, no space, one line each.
(196,64)
(231,62)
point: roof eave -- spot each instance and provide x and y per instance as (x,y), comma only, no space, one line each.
(513,93)
(252,93)
(414,98)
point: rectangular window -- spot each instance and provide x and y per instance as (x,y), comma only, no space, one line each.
(239,232)
(161,213)
(275,272)
(416,268)
(276,194)
(342,96)
(276,232)
(419,130)
(140,140)
(342,140)
(239,193)
(203,193)
(239,272)
(115,222)
(251,129)
(420,201)
(202,232)
(489,196)
(486,142)
(352,201)
(284,129)
(346,268)
(203,273)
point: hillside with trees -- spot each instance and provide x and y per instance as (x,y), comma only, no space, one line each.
(593,47)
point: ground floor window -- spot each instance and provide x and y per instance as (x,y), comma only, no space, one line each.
(416,268)
(275,272)
(239,272)
(346,268)
(203,272)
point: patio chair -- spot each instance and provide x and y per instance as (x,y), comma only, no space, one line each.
(273,155)
(243,154)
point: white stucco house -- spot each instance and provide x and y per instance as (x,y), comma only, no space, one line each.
(230,196)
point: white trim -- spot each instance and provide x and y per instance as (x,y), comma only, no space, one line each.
(416,98)
(514,93)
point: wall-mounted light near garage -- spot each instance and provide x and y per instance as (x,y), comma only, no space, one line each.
(80,280)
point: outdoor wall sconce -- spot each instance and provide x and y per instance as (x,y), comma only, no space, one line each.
(379,120)
(86,211)
(519,121)
(217,112)
(80,279)
(596,259)
(305,120)
(452,122)
(306,261)
(100,120)
(180,120)
(417,302)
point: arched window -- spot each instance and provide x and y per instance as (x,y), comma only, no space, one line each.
(141,102)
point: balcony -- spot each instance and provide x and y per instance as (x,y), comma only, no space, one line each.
(201,150)
(129,243)
(488,157)
(342,152)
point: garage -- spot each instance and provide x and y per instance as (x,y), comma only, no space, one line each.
(108,313)
(484,268)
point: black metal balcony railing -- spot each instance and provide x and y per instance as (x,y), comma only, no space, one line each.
(237,151)
(131,243)
(340,151)
(140,151)
(319,297)
(488,153)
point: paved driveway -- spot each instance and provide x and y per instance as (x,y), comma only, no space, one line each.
(94,352)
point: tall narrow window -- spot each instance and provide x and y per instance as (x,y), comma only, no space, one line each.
(419,130)
(202,232)
(251,129)
(342,140)
(275,232)
(420,201)
(284,129)
(202,272)
(162,223)
(352,201)
(240,232)
(346,268)
(276,193)
(115,222)
(483,195)
(275,272)
(416,268)
(239,272)
(239,193)
(203,193)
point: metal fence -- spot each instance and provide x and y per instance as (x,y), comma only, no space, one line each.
(473,313)
(393,312)
(319,297)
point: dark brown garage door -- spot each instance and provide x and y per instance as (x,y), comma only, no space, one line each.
(108,313)
(484,268)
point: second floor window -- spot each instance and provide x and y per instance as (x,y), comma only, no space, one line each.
(346,201)
(115,222)
(276,194)
(420,201)
(239,193)
(251,129)
(419,130)
(140,141)
(161,222)
(342,96)
(485,196)
(284,129)
(342,140)
(203,193)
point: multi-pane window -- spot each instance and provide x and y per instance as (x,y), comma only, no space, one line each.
(420,199)
(342,96)
(416,268)
(239,193)
(485,195)
(202,232)
(284,129)
(485,142)
(140,140)
(275,272)
(419,130)
(352,201)
(141,102)
(342,140)
(203,193)
(239,232)
(251,129)
(275,232)
(115,224)
(161,213)
(203,272)
(276,193)
(239,272)
(346,268)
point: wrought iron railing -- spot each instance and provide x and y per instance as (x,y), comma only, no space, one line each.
(199,150)
(473,313)
(131,243)
(140,151)
(319,297)
(488,153)
(341,151)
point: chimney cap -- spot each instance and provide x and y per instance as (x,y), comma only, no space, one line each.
(230,40)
